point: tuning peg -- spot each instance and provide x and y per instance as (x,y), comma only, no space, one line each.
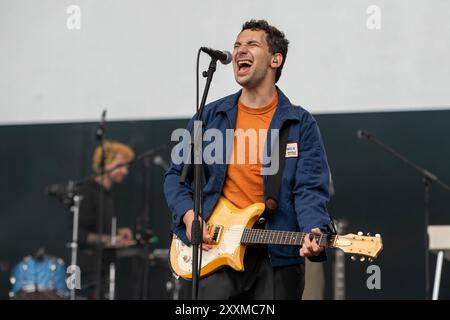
(378,235)
(360,233)
(353,258)
(362,259)
(370,259)
(368,234)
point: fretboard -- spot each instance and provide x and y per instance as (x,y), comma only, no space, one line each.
(261,236)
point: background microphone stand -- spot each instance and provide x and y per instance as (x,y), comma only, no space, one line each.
(196,139)
(100,135)
(75,209)
(143,231)
(428,179)
(67,194)
(144,234)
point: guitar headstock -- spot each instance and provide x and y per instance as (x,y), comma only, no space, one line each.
(359,245)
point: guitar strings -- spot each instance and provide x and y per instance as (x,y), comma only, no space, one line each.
(238,233)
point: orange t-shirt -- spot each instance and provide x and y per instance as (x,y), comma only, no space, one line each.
(244,182)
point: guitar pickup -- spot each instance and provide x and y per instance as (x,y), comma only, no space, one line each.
(217,232)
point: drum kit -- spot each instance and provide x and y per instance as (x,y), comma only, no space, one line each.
(39,277)
(44,277)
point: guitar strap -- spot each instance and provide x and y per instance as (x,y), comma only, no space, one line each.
(274,181)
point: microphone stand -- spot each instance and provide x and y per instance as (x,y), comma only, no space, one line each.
(75,209)
(197,131)
(145,233)
(101,139)
(428,179)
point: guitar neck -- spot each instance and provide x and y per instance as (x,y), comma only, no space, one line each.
(261,236)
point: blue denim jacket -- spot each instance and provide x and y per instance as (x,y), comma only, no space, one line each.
(304,186)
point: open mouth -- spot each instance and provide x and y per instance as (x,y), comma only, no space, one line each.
(244,66)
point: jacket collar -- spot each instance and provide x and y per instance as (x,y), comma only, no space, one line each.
(228,103)
(285,109)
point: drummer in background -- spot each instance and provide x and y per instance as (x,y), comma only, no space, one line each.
(116,154)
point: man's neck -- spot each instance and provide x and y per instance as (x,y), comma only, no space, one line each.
(104,181)
(257,97)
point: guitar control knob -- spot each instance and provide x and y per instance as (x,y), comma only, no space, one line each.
(378,235)
(370,259)
(360,233)
(368,234)
(353,258)
(362,259)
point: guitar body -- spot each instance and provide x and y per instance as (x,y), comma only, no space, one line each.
(226,225)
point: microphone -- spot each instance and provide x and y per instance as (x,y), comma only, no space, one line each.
(363,133)
(159,161)
(224,56)
(63,193)
(101,126)
(56,190)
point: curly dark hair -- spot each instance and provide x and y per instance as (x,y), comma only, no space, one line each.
(274,37)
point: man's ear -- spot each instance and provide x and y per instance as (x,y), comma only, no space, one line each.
(277,60)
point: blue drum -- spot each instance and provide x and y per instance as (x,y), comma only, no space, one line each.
(35,276)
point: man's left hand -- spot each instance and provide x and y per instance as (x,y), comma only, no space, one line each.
(124,236)
(311,248)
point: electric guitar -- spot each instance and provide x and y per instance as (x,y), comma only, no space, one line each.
(231,231)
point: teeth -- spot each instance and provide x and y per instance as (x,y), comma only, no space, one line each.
(241,62)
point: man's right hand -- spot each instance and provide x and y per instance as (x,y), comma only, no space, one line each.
(187,219)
